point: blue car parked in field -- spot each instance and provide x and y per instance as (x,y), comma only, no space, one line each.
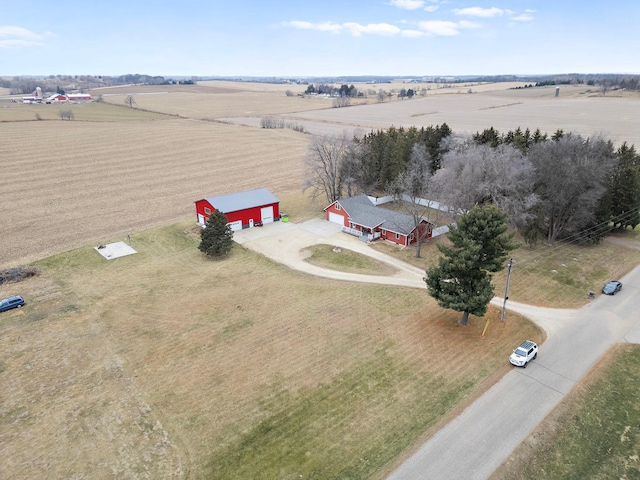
(12,302)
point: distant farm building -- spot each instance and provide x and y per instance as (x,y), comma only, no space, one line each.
(360,217)
(242,209)
(57,97)
(79,97)
(36,97)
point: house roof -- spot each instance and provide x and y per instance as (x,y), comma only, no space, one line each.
(365,213)
(242,200)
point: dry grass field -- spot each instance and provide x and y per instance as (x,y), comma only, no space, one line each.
(166,364)
(213,102)
(574,110)
(82,112)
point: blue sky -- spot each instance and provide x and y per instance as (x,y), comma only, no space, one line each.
(316,38)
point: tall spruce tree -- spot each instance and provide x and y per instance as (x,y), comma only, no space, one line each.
(217,236)
(462,279)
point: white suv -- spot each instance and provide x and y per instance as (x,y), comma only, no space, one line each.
(522,355)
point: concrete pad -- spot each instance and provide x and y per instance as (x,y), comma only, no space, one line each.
(267,230)
(115,250)
(321,227)
(634,334)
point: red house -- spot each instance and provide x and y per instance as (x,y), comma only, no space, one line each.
(358,216)
(243,209)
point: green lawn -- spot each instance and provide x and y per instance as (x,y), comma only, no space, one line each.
(344,260)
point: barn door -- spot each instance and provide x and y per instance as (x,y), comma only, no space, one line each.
(267,214)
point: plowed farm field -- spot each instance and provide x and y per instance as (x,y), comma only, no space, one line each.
(69,184)
(217,100)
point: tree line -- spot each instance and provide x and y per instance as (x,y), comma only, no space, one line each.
(551,187)
(331,90)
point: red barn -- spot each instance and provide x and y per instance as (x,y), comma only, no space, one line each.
(79,97)
(243,209)
(358,216)
(56,97)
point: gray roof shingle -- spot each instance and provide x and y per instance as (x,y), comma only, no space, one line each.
(241,200)
(365,213)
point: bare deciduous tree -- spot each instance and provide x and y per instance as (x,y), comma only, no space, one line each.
(66,115)
(324,165)
(130,101)
(341,101)
(417,188)
(474,174)
(382,95)
(570,179)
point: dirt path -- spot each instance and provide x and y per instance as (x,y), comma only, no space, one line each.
(623,241)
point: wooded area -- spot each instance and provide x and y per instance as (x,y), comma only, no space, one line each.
(551,187)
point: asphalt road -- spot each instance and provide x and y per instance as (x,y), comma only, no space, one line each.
(476,442)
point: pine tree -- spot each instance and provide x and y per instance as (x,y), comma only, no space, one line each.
(462,279)
(217,236)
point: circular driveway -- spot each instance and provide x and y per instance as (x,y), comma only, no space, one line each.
(283,242)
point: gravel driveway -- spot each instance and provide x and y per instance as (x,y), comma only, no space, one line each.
(283,242)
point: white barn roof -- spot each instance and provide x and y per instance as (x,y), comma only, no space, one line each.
(242,200)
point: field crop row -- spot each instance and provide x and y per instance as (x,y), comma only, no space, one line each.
(66,184)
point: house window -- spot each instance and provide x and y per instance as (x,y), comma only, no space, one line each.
(207,210)
(384,233)
(337,206)
(397,236)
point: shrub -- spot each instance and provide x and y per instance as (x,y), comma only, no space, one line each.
(17,274)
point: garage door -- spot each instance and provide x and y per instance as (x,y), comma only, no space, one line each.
(235,226)
(267,214)
(336,218)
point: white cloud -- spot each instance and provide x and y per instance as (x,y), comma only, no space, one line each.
(355,29)
(11,31)
(14,37)
(481,12)
(407,4)
(431,8)
(444,28)
(440,28)
(525,17)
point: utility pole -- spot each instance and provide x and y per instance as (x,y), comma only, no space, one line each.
(506,291)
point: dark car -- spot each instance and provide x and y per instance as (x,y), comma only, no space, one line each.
(612,287)
(11,302)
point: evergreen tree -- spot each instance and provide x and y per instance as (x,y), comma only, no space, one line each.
(217,236)
(489,136)
(624,188)
(462,279)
